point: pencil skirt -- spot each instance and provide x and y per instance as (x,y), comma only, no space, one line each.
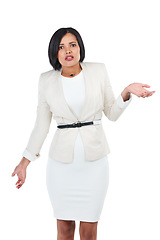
(77,190)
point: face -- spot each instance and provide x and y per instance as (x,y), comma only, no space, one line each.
(68,46)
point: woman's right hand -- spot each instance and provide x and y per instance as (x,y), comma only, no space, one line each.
(20,170)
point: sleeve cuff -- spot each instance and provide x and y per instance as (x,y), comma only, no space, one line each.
(121,102)
(30,156)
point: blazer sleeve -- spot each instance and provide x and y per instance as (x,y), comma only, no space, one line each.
(113,107)
(41,126)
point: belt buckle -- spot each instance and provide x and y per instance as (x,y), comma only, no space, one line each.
(78,124)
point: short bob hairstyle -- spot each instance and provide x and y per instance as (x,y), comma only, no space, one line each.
(54,46)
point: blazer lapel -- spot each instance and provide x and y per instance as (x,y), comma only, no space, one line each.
(64,103)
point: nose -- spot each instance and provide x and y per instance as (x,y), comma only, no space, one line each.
(68,51)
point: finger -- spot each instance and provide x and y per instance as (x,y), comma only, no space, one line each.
(18,182)
(145,85)
(147,94)
(143,94)
(150,93)
(19,186)
(14,172)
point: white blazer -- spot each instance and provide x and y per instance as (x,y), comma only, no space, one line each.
(51,103)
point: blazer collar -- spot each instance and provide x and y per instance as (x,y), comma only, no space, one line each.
(70,112)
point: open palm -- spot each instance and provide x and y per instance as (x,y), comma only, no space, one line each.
(139,90)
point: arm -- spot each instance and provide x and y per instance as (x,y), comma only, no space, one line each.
(37,137)
(113,107)
(41,126)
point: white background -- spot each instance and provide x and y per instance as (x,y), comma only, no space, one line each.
(125,36)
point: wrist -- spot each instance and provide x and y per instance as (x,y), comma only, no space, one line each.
(25,162)
(125,94)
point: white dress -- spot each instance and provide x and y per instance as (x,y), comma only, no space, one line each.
(77,190)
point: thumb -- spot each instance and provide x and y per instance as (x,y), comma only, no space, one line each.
(146,85)
(14,172)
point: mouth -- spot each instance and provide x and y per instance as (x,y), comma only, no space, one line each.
(69,58)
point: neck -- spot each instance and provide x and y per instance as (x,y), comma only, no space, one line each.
(71,71)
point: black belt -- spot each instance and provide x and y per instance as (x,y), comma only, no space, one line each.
(78,124)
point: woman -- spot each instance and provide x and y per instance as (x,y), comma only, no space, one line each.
(77,181)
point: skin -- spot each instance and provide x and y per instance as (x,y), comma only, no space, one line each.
(69,46)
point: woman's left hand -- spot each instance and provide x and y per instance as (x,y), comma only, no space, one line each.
(139,90)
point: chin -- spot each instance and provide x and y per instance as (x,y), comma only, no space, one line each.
(70,64)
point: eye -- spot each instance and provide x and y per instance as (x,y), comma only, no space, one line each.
(73,44)
(60,47)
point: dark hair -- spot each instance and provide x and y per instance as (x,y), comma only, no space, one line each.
(54,44)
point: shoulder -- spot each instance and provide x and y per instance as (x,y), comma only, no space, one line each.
(95,68)
(93,64)
(48,77)
(49,73)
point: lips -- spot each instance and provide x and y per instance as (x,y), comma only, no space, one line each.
(69,57)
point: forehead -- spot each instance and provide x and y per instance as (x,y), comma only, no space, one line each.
(68,37)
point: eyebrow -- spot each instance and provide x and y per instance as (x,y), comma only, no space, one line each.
(63,43)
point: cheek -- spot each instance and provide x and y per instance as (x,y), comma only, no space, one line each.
(78,51)
(59,55)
